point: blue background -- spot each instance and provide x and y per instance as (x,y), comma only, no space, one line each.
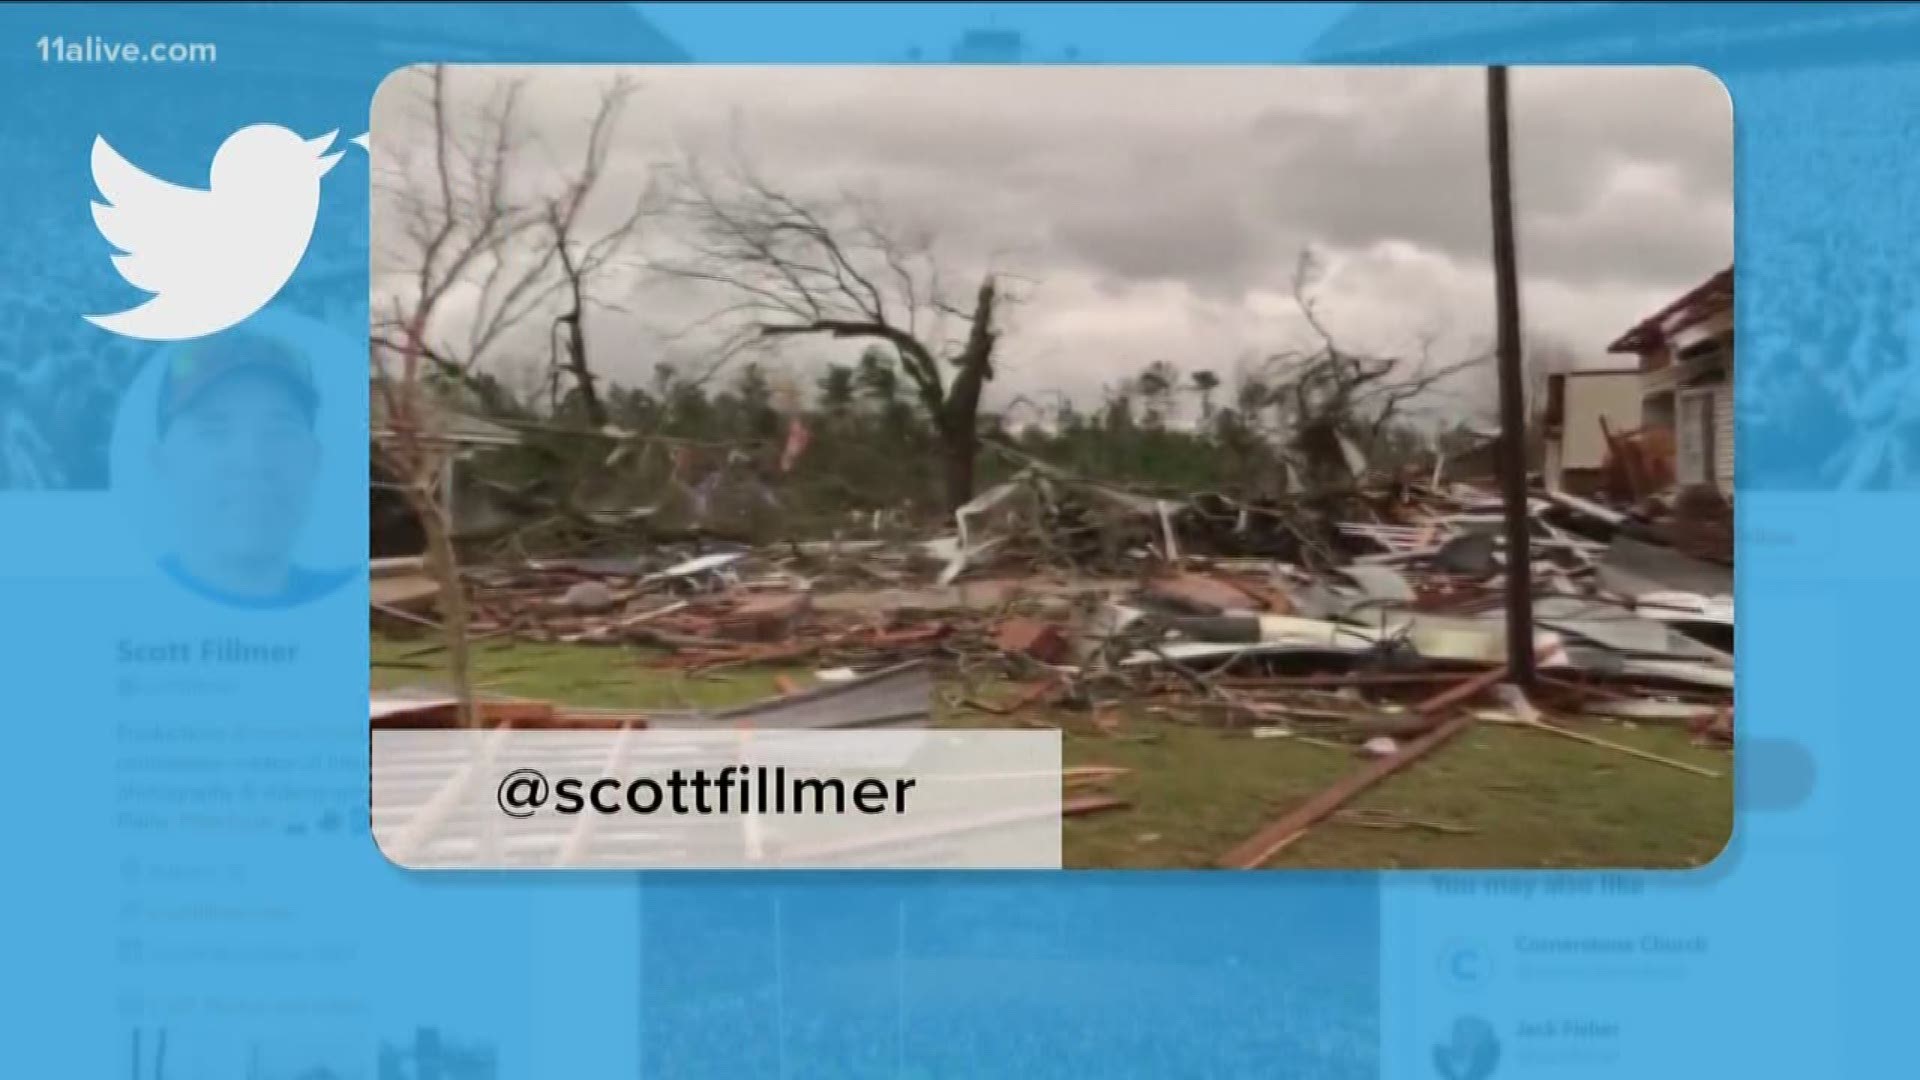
(186,848)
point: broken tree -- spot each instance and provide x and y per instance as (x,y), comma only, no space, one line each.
(835,270)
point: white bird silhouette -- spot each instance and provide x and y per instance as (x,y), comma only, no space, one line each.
(211,258)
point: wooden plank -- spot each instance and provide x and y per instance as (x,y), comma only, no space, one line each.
(1275,838)
(1604,744)
(1262,846)
(1091,804)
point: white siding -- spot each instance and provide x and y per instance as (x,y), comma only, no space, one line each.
(1692,442)
(1723,438)
(1703,437)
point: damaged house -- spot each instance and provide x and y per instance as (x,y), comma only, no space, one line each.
(395,531)
(1686,380)
(1583,408)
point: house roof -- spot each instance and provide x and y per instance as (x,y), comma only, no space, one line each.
(1708,298)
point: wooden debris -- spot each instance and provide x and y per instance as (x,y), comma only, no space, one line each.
(1262,846)
(1385,819)
(1088,775)
(1256,850)
(1032,638)
(1590,740)
(1201,594)
(1082,805)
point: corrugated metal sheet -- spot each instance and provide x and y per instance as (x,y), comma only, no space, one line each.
(1617,629)
(1635,568)
(899,696)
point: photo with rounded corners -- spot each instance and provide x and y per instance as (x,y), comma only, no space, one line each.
(1200,414)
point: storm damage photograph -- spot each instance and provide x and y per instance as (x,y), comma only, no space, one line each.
(1339,459)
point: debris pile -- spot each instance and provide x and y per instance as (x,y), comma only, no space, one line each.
(1371,622)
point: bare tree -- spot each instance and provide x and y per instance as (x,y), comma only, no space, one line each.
(461,224)
(473,218)
(468,219)
(455,221)
(460,221)
(581,261)
(833,269)
(1327,393)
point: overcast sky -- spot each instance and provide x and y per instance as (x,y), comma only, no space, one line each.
(1158,213)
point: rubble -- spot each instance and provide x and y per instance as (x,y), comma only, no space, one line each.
(587,597)
(1042,641)
(1200,594)
(1312,622)
(897,696)
(401,588)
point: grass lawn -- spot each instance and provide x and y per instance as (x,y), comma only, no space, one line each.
(1530,799)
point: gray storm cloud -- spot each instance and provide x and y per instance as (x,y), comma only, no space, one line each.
(1158,213)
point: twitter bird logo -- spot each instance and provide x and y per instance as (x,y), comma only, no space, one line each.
(210,258)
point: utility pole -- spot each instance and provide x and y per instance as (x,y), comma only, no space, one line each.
(1513,408)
